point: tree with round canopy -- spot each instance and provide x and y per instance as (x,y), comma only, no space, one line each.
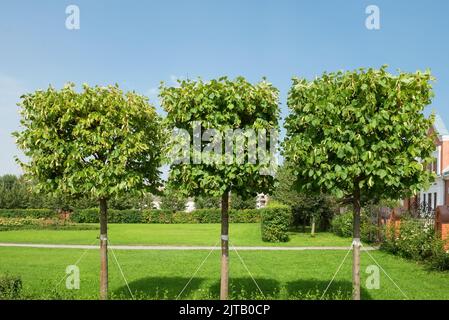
(360,135)
(216,164)
(100,143)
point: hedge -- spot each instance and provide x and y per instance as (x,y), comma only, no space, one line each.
(166,216)
(141,216)
(8,224)
(275,223)
(28,213)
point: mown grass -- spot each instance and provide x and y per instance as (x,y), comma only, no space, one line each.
(243,234)
(163,274)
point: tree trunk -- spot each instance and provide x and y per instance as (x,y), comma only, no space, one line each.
(379,226)
(312,231)
(103,249)
(356,245)
(224,286)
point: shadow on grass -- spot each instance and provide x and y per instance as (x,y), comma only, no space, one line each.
(314,289)
(159,288)
(170,287)
(242,288)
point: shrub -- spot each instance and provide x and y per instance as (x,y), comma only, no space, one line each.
(85,216)
(209,215)
(125,216)
(247,215)
(10,287)
(342,226)
(275,224)
(30,213)
(157,216)
(414,240)
(417,240)
(440,258)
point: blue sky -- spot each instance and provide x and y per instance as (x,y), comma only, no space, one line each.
(137,44)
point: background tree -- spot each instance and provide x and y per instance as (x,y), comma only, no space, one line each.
(99,143)
(360,135)
(236,202)
(308,209)
(207,202)
(171,199)
(221,105)
(13,192)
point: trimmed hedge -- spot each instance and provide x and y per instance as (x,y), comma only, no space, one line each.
(28,213)
(275,223)
(8,224)
(166,216)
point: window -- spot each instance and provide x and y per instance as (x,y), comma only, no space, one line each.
(434,201)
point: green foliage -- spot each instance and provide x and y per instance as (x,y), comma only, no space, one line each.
(241,203)
(305,206)
(236,202)
(221,105)
(13,192)
(165,216)
(362,130)
(92,215)
(207,202)
(99,143)
(275,224)
(10,287)
(28,213)
(18,193)
(342,225)
(8,224)
(173,200)
(417,240)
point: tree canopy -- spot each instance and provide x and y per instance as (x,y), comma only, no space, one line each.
(360,135)
(360,129)
(100,142)
(221,105)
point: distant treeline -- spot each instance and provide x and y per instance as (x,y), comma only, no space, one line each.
(16,192)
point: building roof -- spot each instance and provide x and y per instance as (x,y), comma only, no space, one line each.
(439,126)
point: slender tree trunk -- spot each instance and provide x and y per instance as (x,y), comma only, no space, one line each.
(312,231)
(224,286)
(356,245)
(103,249)
(379,226)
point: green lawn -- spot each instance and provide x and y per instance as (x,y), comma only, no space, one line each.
(243,234)
(163,274)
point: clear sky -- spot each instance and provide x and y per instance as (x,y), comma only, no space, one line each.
(137,44)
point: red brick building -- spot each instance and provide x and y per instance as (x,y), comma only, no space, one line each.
(438,192)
